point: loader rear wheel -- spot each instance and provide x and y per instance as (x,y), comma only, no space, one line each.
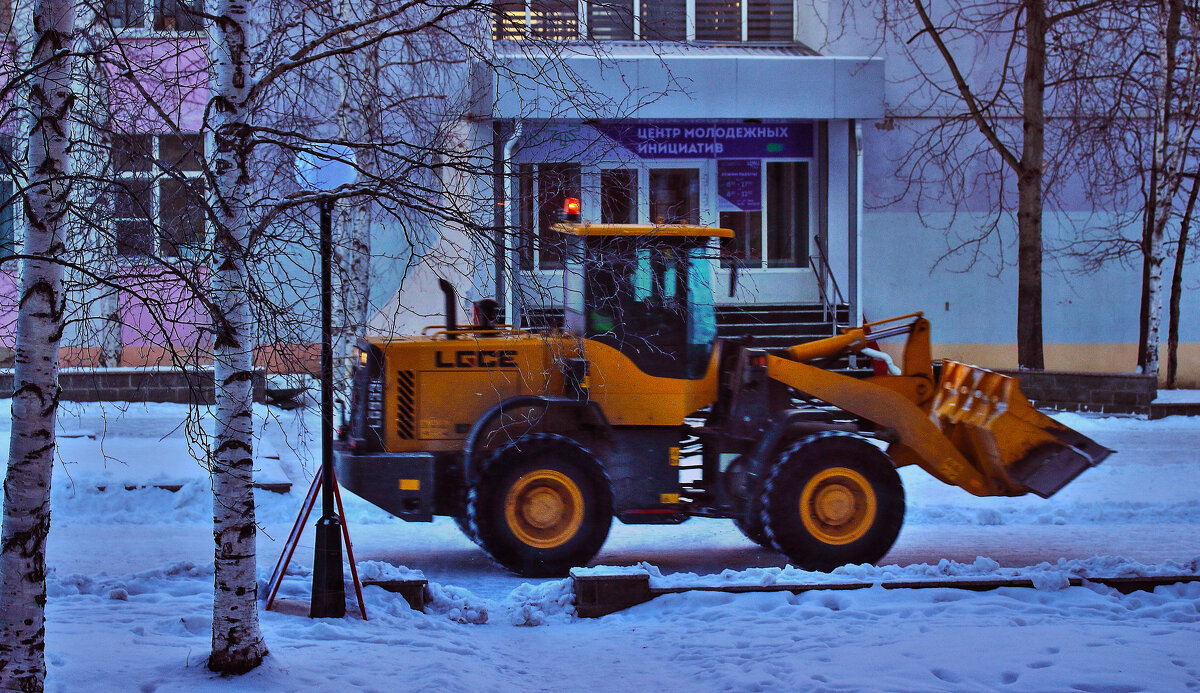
(541,506)
(831,500)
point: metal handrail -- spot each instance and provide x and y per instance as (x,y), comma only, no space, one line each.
(825,274)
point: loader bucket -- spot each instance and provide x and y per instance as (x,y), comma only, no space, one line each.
(1019,449)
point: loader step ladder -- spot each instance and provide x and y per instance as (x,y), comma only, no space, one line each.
(293,541)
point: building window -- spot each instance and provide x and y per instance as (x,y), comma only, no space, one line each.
(159,15)
(5,18)
(720,21)
(8,221)
(769,20)
(8,202)
(663,20)
(675,196)
(610,20)
(787,213)
(618,196)
(541,191)
(556,20)
(158,196)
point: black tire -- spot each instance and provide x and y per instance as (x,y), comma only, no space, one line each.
(464,524)
(832,499)
(542,505)
(743,485)
(751,524)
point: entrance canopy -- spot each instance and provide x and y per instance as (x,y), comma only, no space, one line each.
(666,81)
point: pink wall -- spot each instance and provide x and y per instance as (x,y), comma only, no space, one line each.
(173,72)
(167,88)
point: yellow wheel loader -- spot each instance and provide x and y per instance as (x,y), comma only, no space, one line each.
(534,440)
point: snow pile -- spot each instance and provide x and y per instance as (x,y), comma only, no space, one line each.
(1044,575)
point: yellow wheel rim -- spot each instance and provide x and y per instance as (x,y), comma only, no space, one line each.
(838,506)
(544,509)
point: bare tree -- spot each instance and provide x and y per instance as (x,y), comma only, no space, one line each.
(984,88)
(1181,247)
(1173,131)
(1134,137)
(1022,28)
(39,330)
(390,80)
(237,642)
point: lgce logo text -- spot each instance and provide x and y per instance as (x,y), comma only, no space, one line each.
(472,358)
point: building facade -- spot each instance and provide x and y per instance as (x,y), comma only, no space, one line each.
(769,117)
(693,112)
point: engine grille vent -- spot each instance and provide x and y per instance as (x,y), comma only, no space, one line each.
(405,404)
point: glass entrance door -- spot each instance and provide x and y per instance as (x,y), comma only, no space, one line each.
(673,195)
(648,194)
(767,204)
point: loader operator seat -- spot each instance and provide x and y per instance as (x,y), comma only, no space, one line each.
(650,299)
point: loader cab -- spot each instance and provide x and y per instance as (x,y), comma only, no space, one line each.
(645,290)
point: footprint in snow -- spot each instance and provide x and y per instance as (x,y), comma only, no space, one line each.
(1106,688)
(947,676)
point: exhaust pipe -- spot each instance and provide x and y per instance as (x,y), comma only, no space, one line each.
(451,308)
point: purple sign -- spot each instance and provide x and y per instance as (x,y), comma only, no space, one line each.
(739,183)
(712,139)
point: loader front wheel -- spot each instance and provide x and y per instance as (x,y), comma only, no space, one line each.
(541,506)
(832,500)
(751,525)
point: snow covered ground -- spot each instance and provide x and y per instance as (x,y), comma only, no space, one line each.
(130,586)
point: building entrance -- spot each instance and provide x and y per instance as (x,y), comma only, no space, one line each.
(758,180)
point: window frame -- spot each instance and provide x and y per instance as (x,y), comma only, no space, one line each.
(155,174)
(9,213)
(150,16)
(507,15)
(535,207)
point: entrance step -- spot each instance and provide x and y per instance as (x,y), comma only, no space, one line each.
(780,326)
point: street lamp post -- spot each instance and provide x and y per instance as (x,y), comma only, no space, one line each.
(327,169)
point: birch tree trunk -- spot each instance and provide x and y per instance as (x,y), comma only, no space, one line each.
(35,376)
(94,231)
(1166,157)
(357,123)
(237,641)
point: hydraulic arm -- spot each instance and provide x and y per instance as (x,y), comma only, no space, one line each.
(975,429)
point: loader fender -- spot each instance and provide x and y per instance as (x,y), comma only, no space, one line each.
(518,416)
(787,427)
